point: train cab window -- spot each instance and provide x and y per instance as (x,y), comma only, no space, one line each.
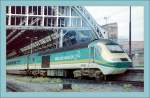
(115,49)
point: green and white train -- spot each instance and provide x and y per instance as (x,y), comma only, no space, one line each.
(93,59)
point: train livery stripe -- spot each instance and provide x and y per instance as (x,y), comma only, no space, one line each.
(71,62)
(102,63)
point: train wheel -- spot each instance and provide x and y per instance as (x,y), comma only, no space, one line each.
(43,74)
(79,77)
(77,74)
(28,72)
(97,78)
(105,78)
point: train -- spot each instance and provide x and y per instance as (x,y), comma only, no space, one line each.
(95,59)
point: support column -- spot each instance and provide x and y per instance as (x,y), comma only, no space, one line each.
(27,15)
(69,16)
(81,22)
(61,39)
(57,12)
(42,12)
(9,13)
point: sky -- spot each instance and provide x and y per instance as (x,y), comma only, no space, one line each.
(120,14)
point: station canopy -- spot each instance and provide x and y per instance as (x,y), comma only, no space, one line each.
(31,29)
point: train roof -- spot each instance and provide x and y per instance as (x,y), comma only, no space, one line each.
(77,46)
(105,41)
(73,47)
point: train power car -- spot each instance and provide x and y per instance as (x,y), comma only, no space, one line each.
(93,59)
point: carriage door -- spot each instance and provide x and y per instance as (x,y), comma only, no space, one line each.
(92,53)
(45,61)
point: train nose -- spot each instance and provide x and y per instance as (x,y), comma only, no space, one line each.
(112,70)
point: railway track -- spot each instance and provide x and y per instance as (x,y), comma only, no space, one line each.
(130,77)
(133,83)
(11,87)
(68,84)
(91,81)
(133,76)
(71,83)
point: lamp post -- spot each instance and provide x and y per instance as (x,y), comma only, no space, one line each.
(31,41)
(130,54)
